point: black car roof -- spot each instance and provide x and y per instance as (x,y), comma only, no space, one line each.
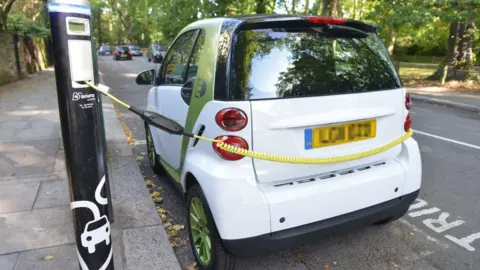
(279,20)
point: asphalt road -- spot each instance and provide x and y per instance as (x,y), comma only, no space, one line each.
(441,230)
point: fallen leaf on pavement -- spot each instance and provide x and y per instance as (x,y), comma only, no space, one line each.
(163,217)
(300,255)
(172,233)
(48,257)
(173,244)
(411,233)
(155,194)
(158,199)
(46,193)
(326,266)
(166,225)
(192,266)
(149,183)
(178,227)
(117,151)
(138,157)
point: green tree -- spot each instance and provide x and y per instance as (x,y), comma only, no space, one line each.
(5,7)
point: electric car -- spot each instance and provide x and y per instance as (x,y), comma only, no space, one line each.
(287,85)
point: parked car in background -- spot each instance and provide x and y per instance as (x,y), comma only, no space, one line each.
(122,52)
(135,50)
(156,53)
(105,50)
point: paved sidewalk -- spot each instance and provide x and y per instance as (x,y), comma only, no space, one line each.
(35,215)
(437,95)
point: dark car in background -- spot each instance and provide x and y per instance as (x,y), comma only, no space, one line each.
(135,50)
(156,53)
(122,52)
(105,50)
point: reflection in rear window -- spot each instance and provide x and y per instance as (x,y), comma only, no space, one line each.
(275,64)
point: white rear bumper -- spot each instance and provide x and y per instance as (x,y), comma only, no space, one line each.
(243,208)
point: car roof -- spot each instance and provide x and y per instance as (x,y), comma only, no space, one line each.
(274,20)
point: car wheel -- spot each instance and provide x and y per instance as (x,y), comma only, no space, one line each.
(153,157)
(205,241)
(149,60)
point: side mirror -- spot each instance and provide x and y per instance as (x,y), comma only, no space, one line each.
(145,77)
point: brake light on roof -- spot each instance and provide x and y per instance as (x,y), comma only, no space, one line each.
(231,119)
(231,140)
(326,20)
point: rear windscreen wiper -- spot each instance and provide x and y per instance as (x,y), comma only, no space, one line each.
(331,30)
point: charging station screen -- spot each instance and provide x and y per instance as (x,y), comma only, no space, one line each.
(76,27)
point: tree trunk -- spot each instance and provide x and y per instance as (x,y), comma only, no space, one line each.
(261,7)
(469,36)
(329,8)
(307,7)
(3,21)
(451,58)
(293,6)
(462,44)
(391,46)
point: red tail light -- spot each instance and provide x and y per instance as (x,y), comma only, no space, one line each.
(231,119)
(129,52)
(408,102)
(116,52)
(231,140)
(326,20)
(408,123)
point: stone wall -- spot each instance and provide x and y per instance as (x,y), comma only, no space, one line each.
(33,55)
(8,68)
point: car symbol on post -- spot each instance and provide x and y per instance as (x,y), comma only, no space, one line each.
(95,232)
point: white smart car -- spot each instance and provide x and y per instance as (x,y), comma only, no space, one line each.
(293,86)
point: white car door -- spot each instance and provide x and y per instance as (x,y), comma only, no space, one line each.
(170,99)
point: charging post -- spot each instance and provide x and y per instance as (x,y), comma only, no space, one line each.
(83,137)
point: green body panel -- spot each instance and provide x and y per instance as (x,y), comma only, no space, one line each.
(205,76)
(175,174)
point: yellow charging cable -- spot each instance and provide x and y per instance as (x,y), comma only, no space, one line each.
(276,158)
(306,160)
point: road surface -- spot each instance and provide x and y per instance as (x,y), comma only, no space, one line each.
(441,230)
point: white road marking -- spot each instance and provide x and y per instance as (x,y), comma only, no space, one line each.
(421,203)
(447,139)
(418,230)
(442,221)
(465,241)
(424,212)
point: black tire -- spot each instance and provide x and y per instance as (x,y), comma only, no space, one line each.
(149,60)
(220,258)
(130,58)
(152,156)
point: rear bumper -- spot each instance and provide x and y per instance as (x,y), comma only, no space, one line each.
(312,232)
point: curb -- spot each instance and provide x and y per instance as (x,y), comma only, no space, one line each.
(141,239)
(448,103)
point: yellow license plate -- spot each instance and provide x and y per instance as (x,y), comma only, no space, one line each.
(124,55)
(340,134)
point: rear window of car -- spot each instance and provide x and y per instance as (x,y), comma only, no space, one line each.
(105,48)
(274,63)
(133,47)
(122,48)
